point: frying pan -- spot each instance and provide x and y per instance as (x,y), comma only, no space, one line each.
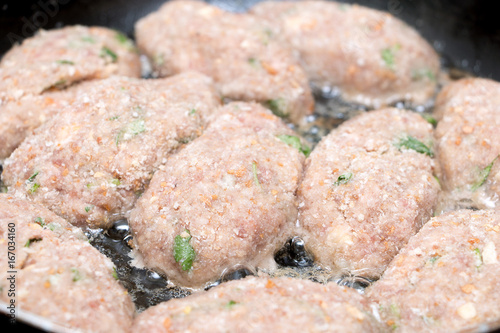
(466,33)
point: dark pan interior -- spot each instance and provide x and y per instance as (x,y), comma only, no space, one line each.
(465,32)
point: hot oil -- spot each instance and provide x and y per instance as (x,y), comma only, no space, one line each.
(147,288)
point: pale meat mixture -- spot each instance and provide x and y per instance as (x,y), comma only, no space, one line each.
(229,197)
(372,57)
(365,192)
(238,51)
(263,305)
(91,162)
(468,142)
(446,279)
(60,276)
(53,60)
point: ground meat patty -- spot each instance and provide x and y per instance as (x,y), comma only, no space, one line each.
(370,56)
(91,162)
(446,279)
(18,119)
(53,60)
(468,141)
(60,276)
(226,200)
(237,50)
(57,58)
(368,187)
(262,305)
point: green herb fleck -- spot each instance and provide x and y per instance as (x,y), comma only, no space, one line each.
(114,118)
(255,177)
(31,240)
(388,55)
(343,178)
(183,251)
(76,274)
(34,187)
(121,38)
(437,179)
(254,62)
(483,175)
(410,142)
(65,62)
(52,226)
(88,208)
(430,119)
(134,128)
(478,258)
(278,107)
(434,258)
(159,59)
(115,274)
(115,181)
(294,142)
(88,39)
(230,304)
(192,111)
(395,310)
(33,176)
(106,52)
(423,73)
(89,185)
(40,221)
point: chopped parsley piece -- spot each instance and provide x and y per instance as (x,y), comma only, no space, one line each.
(255,177)
(114,118)
(76,274)
(88,39)
(388,55)
(40,221)
(294,142)
(34,187)
(121,38)
(31,240)
(478,258)
(423,73)
(254,62)
(192,111)
(278,107)
(434,258)
(115,181)
(410,142)
(430,119)
(183,251)
(65,62)
(134,128)
(343,178)
(115,274)
(88,208)
(230,304)
(33,176)
(106,52)
(483,175)
(52,226)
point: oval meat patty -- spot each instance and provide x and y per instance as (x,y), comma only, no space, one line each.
(227,199)
(368,187)
(468,141)
(237,50)
(446,279)
(372,57)
(91,162)
(263,305)
(53,60)
(60,276)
